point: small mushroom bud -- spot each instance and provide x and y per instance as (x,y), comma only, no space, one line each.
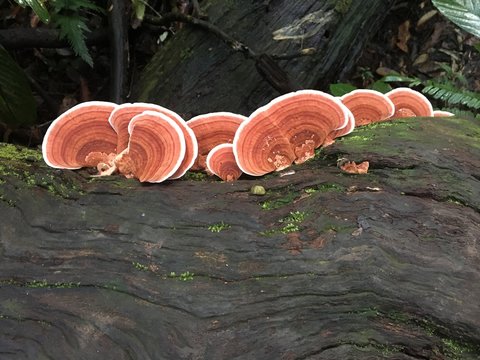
(221,162)
(257,190)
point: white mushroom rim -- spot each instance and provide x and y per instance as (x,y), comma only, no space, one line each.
(200,118)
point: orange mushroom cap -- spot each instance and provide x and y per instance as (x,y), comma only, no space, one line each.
(409,103)
(261,147)
(368,106)
(441,113)
(120,119)
(211,130)
(221,162)
(156,148)
(287,129)
(80,137)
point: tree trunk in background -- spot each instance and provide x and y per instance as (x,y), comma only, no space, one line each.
(195,72)
(324,266)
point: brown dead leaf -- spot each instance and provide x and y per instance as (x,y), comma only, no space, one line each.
(438,29)
(403,36)
(34,20)
(426,17)
(352,168)
(384,71)
(421,59)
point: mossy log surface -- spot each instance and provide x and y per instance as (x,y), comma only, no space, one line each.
(186,72)
(324,266)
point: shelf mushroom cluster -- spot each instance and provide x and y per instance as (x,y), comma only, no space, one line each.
(145,141)
(151,143)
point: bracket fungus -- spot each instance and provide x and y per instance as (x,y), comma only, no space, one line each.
(152,143)
(287,130)
(442,113)
(221,162)
(81,137)
(155,150)
(120,119)
(341,132)
(368,106)
(211,130)
(409,103)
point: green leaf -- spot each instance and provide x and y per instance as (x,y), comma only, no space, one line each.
(38,6)
(340,89)
(451,95)
(381,86)
(465,114)
(139,8)
(464,13)
(17,105)
(73,28)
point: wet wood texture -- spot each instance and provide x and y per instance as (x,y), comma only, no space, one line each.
(324,266)
(187,72)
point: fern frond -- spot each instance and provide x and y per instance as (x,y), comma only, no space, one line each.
(73,28)
(451,95)
(465,114)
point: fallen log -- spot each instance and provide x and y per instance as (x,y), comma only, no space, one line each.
(271,47)
(326,265)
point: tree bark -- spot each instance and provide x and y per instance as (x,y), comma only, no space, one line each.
(196,73)
(324,266)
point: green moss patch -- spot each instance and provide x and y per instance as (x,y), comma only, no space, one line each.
(36,284)
(25,167)
(216,228)
(288,224)
(342,6)
(279,198)
(12,152)
(195,176)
